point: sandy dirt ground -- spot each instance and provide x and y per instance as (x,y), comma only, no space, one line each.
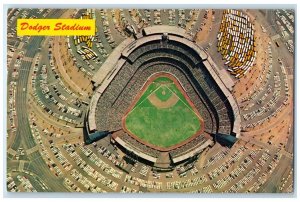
(161,104)
(202,35)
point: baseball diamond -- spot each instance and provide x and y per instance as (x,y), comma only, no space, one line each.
(162,114)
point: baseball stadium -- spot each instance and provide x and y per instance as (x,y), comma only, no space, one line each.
(156,100)
(163,98)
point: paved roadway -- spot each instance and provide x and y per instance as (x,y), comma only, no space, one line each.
(23,135)
(281,53)
(271,185)
(212,38)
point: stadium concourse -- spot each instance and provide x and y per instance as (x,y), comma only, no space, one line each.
(160,100)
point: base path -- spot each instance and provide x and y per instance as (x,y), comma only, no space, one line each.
(163,104)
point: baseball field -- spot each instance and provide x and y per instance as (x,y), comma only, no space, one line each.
(162,114)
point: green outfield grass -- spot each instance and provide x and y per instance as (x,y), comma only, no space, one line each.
(163,127)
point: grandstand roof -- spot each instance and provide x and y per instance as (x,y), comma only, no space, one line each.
(110,62)
(138,153)
(193,152)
